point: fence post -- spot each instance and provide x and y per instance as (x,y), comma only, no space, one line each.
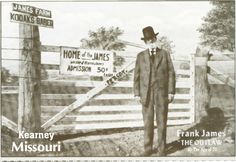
(29,111)
(202,99)
(192,89)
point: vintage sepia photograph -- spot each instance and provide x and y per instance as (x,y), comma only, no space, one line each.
(118,79)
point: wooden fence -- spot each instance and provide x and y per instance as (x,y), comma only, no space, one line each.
(221,70)
(115,106)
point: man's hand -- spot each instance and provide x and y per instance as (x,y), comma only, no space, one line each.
(137,98)
(170,98)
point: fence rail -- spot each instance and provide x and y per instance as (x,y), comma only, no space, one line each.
(74,128)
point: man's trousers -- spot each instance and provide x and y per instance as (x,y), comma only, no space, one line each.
(159,100)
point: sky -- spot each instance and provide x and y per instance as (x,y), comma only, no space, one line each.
(178,20)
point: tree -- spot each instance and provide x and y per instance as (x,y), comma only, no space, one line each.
(218,28)
(105,39)
(5,75)
(7,78)
(166,44)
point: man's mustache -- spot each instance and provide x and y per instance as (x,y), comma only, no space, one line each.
(156,45)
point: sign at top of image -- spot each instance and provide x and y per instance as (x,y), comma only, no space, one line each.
(31,15)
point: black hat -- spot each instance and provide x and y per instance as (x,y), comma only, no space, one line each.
(148,33)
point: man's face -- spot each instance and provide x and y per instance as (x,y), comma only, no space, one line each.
(152,43)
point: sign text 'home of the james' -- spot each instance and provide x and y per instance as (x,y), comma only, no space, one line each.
(75,61)
(31,15)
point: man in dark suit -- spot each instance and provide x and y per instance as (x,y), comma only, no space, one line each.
(154,86)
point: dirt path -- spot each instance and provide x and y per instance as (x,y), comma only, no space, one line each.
(131,144)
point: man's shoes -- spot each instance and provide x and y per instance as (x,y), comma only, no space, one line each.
(156,152)
(160,154)
(146,153)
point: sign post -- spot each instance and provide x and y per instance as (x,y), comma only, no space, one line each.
(29,80)
(29,99)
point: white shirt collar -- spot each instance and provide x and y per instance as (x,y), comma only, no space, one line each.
(150,49)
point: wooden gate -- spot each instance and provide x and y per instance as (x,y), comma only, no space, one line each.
(113,107)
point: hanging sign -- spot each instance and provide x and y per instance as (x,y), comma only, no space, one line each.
(31,15)
(77,61)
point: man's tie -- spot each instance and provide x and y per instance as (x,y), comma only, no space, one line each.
(152,54)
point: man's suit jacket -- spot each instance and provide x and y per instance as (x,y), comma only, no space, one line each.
(164,74)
